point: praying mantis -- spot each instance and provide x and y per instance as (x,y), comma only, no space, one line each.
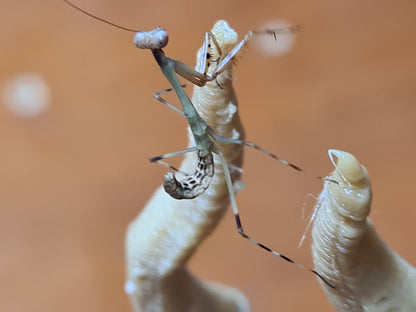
(206,139)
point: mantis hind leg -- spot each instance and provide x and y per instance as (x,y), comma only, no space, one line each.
(240,228)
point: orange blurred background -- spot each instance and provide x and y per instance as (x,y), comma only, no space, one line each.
(73,176)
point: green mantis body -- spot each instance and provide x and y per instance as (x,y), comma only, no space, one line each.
(204,135)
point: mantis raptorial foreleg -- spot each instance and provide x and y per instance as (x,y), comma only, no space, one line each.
(206,140)
(213,53)
(204,136)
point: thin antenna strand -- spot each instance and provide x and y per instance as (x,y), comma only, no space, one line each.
(99,18)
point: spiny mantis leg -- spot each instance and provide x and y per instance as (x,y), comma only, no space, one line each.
(171,167)
(173,154)
(274,156)
(200,77)
(233,202)
(158,38)
(241,142)
(240,228)
(158,159)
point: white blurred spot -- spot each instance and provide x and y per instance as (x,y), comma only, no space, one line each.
(285,42)
(129,287)
(27,95)
(235,134)
(238,186)
(234,168)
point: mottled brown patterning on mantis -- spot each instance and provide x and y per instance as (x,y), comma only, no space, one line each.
(214,64)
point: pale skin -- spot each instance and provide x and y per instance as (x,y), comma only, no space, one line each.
(204,136)
(161,241)
(395,293)
(366,273)
(212,63)
(165,235)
